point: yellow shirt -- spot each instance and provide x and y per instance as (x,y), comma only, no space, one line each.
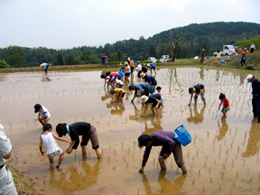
(119,90)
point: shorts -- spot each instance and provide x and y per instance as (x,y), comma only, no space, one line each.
(127,74)
(177,154)
(120,86)
(224,109)
(155,103)
(46,120)
(56,153)
(92,135)
(123,95)
(202,95)
(132,69)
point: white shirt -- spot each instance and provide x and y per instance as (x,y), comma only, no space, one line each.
(49,143)
(45,113)
(252,46)
(5,144)
(118,81)
(139,67)
(127,69)
(218,55)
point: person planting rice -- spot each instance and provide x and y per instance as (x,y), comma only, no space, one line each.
(142,87)
(155,99)
(120,93)
(74,130)
(225,102)
(199,90)
(169,144)
(151,82)
(51,146)
(44,115)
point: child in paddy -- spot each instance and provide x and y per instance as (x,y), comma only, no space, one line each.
(120,93)
(51,146)
(225,102)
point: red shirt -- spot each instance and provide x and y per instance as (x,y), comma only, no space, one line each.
(225,102)
(243,54)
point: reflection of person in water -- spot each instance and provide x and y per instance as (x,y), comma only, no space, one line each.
(156,123)
(253,143)
(198,116)
(222,129)
(201,73)
(168,186)
(78,180)
(117,108)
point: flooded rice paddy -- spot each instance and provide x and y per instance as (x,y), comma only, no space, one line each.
(223,157)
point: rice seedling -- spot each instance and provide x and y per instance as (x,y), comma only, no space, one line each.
(193,181)
(237,175)
(234,184)
(204,189)
(211,180)
(250,180)
(222,175)
(209,169)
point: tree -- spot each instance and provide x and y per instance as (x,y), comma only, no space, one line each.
(14,56)
(3,64)
(152,51)
(59,60)
(89,58)
(70,60)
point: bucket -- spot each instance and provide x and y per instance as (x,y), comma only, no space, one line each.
(182,135)
(244,58)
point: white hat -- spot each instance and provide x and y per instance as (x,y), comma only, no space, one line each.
(142,74)
(144,98)
(250,77)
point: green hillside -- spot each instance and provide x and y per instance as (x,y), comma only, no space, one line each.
(194,37)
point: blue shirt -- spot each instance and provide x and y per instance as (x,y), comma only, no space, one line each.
(151,80)
(198,87)
(160,138)
(152,98)
(140,86)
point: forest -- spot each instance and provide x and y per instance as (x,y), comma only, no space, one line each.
(190,39)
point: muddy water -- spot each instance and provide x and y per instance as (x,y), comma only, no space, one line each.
(222,159)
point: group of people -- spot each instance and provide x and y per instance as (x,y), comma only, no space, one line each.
(47,137)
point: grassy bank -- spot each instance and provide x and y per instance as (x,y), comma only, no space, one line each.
(253,60)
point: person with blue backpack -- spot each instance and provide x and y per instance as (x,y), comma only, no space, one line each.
(170,142)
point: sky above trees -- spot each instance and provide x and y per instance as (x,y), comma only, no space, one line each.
(67,24)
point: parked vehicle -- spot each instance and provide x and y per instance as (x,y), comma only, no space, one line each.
(228,50)
(165,58)
(153,59)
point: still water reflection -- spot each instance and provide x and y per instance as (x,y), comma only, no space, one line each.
(222,159)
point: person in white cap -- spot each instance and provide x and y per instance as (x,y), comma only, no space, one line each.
(256,95)
(7,186)
(155,99)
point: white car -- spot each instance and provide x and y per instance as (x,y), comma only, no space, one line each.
(153,59)
(165,58)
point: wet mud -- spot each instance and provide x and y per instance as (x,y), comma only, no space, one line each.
(223,157)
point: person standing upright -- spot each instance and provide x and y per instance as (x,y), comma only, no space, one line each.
(202,54)
(243,58)
(7,186)
(256,95)
(252,47)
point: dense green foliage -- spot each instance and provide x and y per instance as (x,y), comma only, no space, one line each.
(3,64)
(194,37)
(247,42)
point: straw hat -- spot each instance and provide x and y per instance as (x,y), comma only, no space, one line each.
(144,98)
